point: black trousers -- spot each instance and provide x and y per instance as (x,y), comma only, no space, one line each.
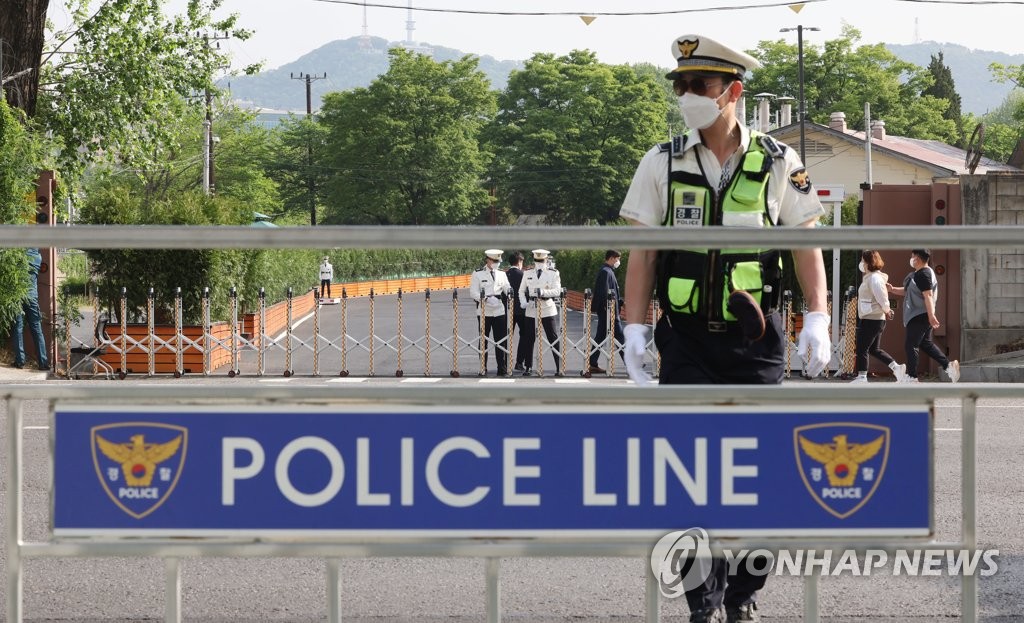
(551,331)
(919,338)
(602,333)
(690,354)
(325,283)
(497,328)
(869,339)
(524,351)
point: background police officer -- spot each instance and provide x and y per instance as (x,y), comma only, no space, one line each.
(492,285)
(540,288)
(326,275)
(721,323)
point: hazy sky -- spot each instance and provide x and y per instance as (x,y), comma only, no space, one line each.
(287,29)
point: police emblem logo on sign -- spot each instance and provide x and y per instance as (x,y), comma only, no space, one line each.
(841,463)
(138,463)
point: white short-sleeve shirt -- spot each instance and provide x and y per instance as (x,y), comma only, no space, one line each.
(792,200)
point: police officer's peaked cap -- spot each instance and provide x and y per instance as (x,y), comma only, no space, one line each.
(541,254)
(494,254)
(701,54)
(325,258)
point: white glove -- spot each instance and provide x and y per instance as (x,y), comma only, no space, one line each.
(634,351)
(815,348)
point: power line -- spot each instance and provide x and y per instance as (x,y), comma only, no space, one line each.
(577,13)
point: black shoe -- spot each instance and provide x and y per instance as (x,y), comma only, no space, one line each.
(518,368)
(597,370)
(19,365)
(559,373)
(527,372)
(708,615)
(747,613)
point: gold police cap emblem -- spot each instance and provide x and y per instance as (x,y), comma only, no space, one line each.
(686,47)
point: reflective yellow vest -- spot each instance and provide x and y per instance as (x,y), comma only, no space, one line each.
(696,283)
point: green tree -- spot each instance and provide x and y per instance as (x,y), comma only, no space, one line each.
(112,85)
(114,203)
(569,133)
(20,159)
(673,118)
(1004,126)
(404,150)
(300,155)
(944,88)
(840,77)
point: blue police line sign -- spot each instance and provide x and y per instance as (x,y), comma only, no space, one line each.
(203,471)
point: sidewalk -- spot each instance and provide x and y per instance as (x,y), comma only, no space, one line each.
(10,374)
(1005,368)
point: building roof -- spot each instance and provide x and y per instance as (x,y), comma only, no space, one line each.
(943,159)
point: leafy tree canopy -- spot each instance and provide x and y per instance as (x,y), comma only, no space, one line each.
(114,83)
(20,158)
(405,150)
(841,76)
(569,133)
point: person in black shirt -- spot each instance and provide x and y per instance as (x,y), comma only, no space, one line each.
(526,329)
(606,289)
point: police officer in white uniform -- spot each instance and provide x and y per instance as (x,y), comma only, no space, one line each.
(326,274)
(721,322)
(492,284)
(542,286)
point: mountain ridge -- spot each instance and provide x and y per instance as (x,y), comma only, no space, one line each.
(357,61)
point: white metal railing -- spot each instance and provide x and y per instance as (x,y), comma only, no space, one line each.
(492,550)
(438,237)
(167,237)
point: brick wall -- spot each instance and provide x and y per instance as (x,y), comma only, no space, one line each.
(992,287)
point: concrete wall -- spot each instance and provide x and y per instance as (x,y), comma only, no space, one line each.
(992,285)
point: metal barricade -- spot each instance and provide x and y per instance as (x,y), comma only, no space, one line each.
(333,549)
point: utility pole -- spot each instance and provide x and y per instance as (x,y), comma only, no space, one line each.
(800,77)
(310,184)
(208,179)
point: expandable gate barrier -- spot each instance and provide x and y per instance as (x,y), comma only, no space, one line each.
(339,346)
(324,345)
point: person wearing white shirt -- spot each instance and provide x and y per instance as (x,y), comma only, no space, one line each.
(326,275)
(540,288)
(872,311)
(489,287)
(721,322)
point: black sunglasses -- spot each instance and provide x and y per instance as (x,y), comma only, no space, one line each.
(697,86)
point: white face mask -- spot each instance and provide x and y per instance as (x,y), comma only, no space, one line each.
(615,265)
(862,266)
(699,111)
(912,264)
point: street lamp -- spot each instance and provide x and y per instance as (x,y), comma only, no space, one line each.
(800,61)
